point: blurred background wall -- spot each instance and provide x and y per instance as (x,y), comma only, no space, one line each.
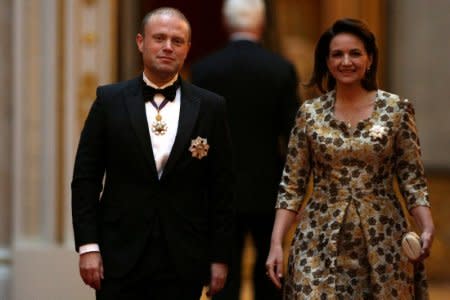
(53,54)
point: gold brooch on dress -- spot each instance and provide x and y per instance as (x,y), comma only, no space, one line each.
(377,131)
(199,147)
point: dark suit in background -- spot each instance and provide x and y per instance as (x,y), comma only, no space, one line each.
(161,233)
(260,88)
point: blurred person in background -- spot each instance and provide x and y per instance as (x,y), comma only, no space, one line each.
(261,91)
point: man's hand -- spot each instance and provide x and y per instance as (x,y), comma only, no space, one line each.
(91,269)
(219,274)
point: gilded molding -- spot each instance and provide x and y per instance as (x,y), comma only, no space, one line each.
(90,2)
(89,38)
(86,93)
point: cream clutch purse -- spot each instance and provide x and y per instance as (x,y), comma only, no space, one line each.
(412,244)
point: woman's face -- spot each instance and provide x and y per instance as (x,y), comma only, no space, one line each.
(348,60)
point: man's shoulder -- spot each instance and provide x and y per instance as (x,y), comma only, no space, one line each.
(256,51)
(208,100)
(251,59)
(234,51)
(210,60)
(117,86)
(201,93)
(112,89)
(275,62)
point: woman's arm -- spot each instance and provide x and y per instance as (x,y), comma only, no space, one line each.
(274,264)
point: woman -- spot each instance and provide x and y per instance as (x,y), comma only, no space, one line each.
(354,140)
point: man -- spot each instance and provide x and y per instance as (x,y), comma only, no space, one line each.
(163,222)
(262,98)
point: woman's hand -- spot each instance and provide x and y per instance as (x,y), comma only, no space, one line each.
(274,265)
(427,237)
(424,220)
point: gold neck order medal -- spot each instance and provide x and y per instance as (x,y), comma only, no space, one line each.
(159,127)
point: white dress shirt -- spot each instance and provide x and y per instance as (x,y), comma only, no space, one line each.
(161,144)
(170,113)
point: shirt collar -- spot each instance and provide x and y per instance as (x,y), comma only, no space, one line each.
(243,36)
(150,83)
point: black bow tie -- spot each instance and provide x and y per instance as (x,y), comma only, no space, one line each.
(168,92)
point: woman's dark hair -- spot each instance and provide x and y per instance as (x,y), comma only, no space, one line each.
(321,77)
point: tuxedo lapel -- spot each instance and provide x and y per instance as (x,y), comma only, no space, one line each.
(136,111)
(189,109)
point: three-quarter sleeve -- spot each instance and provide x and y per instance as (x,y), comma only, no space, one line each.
(294,181)
(409,166)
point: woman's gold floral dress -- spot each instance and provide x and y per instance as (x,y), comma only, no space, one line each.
(348,242)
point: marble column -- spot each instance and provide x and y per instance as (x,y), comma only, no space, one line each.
(5,147)
(419,69)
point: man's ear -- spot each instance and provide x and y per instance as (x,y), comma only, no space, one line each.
(140,41)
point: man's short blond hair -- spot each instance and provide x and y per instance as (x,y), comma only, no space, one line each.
(165,11)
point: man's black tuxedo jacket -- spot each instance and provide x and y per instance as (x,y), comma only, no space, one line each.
(192,199)
(261,90)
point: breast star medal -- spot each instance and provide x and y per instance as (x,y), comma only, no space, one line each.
(199,147)
(159,127)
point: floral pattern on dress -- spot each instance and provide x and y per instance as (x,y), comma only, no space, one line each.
(347,244)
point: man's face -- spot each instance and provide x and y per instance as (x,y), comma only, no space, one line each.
(164,46)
